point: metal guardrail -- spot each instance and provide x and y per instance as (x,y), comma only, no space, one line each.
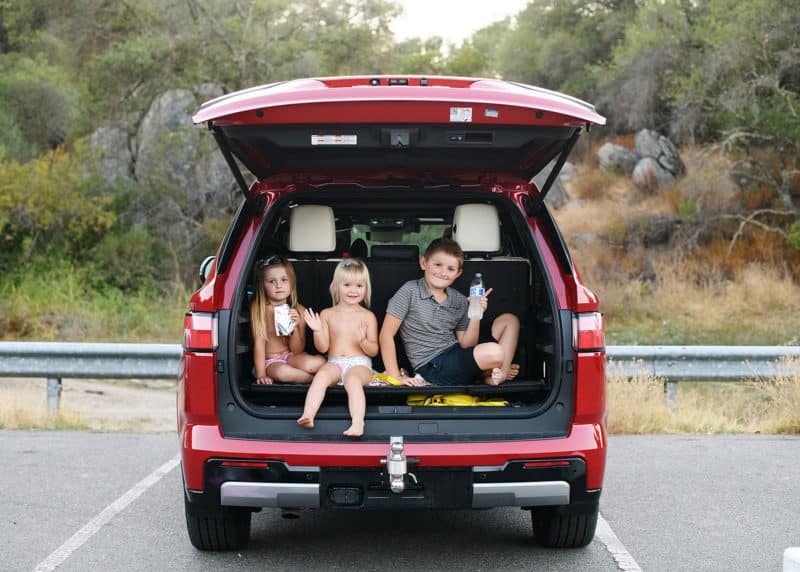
(701,363)
(56,360)
(89,360)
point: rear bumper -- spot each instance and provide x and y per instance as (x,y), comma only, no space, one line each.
(311,495)
(544,472)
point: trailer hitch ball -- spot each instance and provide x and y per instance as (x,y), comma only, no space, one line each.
(396,465)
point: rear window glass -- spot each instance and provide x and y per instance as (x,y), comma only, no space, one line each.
(422,236)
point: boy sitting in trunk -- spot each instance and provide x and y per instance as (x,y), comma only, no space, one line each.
(440,341)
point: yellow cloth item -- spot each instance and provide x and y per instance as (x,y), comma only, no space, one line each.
(458,399)
(388,379)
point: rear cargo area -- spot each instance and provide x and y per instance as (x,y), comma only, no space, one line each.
(389,228)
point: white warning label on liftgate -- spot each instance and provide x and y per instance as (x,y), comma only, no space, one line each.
(334,139)
(461,115)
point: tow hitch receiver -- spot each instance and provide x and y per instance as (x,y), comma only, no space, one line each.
(394,486)
(397,466)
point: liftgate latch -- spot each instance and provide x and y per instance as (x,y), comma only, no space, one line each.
(397,465)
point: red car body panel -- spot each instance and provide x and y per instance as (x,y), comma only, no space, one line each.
(354,101)
(203,442)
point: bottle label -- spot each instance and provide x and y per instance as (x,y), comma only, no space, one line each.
(475,291)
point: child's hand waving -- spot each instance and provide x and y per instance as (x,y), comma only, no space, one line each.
(312,320)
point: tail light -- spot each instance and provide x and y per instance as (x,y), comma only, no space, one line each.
(588,332)
(542,464)
(245,464)
(200,332)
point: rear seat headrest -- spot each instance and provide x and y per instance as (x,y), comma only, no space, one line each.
(476,228)
(359,249)
(312,228)
(394,252)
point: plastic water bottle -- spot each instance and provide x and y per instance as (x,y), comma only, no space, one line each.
(475,311)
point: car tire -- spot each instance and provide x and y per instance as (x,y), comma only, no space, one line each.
(218,528)
(564,526)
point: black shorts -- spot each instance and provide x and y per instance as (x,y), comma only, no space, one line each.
(454,366)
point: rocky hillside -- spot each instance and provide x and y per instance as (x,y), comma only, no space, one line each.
(688,257)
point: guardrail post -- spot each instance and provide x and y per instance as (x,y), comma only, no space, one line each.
(671,391)
(53,394)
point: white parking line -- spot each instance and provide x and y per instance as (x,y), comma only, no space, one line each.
(619,553)
(63,552)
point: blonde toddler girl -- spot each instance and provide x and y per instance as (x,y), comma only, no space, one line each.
(348,333)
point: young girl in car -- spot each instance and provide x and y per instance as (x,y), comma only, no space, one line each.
(348,333)
(279,357)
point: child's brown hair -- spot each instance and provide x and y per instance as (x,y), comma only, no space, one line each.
(258,307)
(448,246)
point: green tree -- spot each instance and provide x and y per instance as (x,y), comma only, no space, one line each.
(641,85)
(555,43)
(699,69)
(488,41)
(466,60)
(417,56)
(751,77)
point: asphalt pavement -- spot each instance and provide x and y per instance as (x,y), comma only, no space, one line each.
(674,503)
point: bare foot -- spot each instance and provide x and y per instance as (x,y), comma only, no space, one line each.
(496,377)
(306,421)
(513,371)
(355,430)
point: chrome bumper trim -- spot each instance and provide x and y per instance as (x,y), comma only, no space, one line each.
(271,495)
(546,493)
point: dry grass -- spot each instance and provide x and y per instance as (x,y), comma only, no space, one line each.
(760,307)
(783,407)
(109,405)
(638,406)
(23,410)
(595,184)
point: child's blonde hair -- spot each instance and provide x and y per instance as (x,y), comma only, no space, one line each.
(258,307)
(354,269)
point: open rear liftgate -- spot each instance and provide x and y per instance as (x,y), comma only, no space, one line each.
(401,482)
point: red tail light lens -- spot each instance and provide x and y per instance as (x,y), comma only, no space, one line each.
(200,332)
(588,332)
(539,464)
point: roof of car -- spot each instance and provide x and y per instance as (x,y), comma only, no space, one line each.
(454,90)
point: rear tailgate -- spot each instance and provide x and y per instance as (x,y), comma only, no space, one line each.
(450,128)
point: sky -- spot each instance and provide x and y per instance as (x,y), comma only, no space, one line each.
(453,20)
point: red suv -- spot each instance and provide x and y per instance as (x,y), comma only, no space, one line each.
(377,167)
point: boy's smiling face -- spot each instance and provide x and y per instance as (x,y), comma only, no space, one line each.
(441,270)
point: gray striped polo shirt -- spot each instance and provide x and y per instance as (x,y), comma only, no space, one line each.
(428,327)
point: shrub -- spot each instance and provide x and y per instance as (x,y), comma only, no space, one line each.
(794,234)
(48,204)
(127,260)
